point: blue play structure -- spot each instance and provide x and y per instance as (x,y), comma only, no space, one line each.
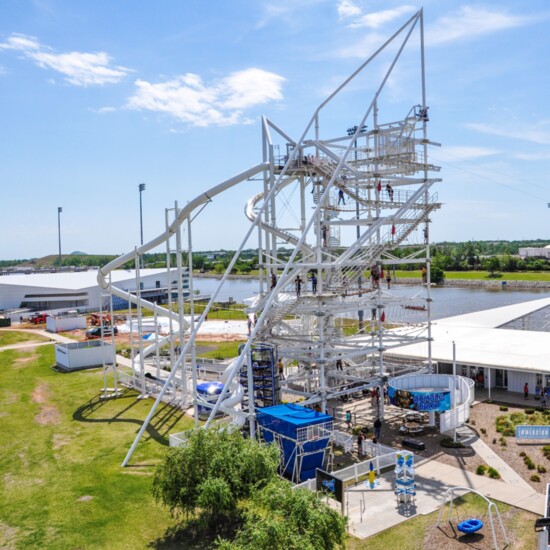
(265,378)
(208,391)
(405,485)
(470,525)
(303,436)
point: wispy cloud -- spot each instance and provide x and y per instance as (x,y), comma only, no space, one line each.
(78,68)
(347,10)
(464,152)
(289,11)
(470,22)
(540,133)
(532,157)
(188,99)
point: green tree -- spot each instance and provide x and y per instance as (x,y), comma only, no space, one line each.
(212,472)
(279,516)
(437,275)
(492,265)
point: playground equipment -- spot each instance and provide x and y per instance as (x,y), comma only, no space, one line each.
(343,205)
(470,525)
(405,486)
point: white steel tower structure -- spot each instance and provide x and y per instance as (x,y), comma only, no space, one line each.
(333,217)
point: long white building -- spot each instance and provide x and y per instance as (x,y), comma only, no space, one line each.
(79,289)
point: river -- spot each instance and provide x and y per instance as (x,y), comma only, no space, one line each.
(447,301)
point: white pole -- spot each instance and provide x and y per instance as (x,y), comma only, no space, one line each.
(453,391)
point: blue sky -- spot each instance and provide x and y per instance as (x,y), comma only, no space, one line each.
(97,97)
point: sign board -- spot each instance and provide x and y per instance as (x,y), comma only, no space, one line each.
(532,432)
(328,483)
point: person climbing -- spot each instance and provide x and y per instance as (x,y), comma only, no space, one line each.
(526,390)
(324,235)
(389,190)
(298,285)
(341,198)
(281,369)
(273,280)
(249,325)
(388,278)
(313,283)
(339,364)
(424,273)
(375,275)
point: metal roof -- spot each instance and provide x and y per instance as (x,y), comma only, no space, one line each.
(480,342)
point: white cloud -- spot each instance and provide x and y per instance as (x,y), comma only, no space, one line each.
(540,133)
(346,8)
(78,68)
(376,19)
(464,152)
(471,22)
(103,110)
(188,99)
(532,156)
(288,11)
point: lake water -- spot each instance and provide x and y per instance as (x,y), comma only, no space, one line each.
(447,301)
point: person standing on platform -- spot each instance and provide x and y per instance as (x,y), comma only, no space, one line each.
(273,281)
(298,285)
(360,444)
(313,283)
(348,419)
(526,391)
(281,369)
(377,428)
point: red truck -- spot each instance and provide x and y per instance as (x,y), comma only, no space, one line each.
(37,318)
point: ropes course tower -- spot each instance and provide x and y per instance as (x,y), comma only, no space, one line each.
(333,216)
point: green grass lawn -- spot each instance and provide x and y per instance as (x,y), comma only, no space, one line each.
(9,337)
(62,484)
(482,275)
(223,350)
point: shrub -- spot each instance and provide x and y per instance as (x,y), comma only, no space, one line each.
(546,450)
(535,477)
(494,440)
(523,453)
(509,432)
(529,462)
(493,474)
(503,408)
(503,442)
(481,469)
(483,431)
(529,411)
(472,422)
(541,469)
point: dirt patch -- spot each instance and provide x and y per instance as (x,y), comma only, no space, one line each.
(48,415)
(8,536)
(41,393)
(24,360)
(59,441)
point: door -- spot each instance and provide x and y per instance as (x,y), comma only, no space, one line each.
(501,378)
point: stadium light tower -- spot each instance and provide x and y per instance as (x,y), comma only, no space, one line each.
(141,189)
(59,210)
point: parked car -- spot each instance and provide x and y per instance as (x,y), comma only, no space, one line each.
(95,332)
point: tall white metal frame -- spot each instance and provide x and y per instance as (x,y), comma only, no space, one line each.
(369,194)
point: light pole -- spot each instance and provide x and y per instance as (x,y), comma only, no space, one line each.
(141,189)
(59,210)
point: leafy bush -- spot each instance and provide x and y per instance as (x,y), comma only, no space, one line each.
(529,462)
(481,469)
(494,440)
(503,408)
(546,451)
(493,474)
(535,477)
(483,431)
(472,422)
(523,453)
(529,411)
(541,469)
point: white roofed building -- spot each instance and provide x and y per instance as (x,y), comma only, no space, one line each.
(46,291)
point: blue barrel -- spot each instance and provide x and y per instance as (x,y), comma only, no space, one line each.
(210,392)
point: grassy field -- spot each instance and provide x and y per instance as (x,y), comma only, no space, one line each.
(62,484)
(482,275)
(9,337)
(223,350)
